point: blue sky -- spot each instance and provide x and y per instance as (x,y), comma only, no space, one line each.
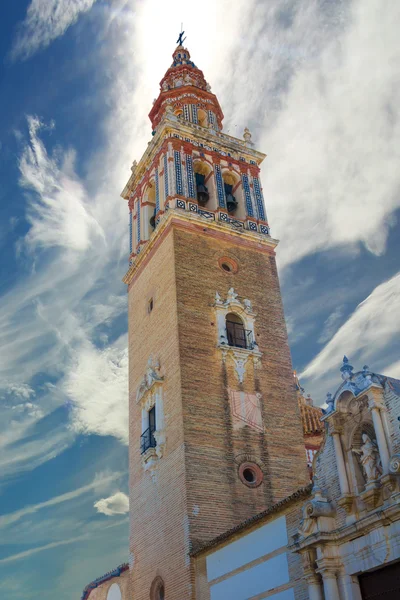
(317,84)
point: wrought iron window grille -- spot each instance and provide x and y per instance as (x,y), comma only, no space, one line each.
(238,336)
(147,440)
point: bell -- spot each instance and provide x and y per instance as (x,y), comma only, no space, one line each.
(231,203)
(202,194)
(152,220)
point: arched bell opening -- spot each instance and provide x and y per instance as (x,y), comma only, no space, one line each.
(203,183)
(202,118)
(149,208)
(232,193)
(178,112)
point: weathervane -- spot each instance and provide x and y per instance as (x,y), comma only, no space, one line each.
(180,41)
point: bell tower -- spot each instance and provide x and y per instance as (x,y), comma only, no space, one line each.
(215,433)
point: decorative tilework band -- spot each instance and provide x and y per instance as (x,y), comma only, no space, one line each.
(157,192)
(190,176)
(220,186)
(194,114)
(247,195)
(130,232)
(211,118)
(178,172)
(137,222)
(259,199)
(166,191)
(186,112)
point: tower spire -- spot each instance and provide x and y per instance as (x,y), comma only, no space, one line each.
(185,80)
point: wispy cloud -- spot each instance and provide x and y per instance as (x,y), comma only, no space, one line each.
(58,210)
(370,334)
(99,482)
(32,551)
(117,504)
(45,21)
(331,325)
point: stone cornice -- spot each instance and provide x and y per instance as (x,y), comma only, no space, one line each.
(381,516)
(196,224)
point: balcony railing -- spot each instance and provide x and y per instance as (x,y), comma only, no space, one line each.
(147,440)
(238,336)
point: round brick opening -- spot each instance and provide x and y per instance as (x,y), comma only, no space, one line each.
(228,264)
(250,474)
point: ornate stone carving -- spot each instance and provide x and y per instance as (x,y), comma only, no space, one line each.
(394,465)
(151,376)
(318,515)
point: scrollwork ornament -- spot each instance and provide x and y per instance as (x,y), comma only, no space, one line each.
(394,464)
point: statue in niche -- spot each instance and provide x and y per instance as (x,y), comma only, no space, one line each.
(369,458)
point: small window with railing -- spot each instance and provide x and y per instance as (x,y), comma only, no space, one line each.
(147,439)
(236,333)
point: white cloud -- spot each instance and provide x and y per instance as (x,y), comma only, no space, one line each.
(117,504)
(19,390)
(45,21)
(332,177)
(98,385)
(370,335)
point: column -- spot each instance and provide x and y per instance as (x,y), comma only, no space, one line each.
(350,587)
(314,588)
(341,467)
(380,438)
(331,588)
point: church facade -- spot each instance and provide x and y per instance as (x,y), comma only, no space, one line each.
(221,504)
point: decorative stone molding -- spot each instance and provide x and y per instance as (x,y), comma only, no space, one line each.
(151,377)
(149,462)
(394,465)
(318,515)
(244,310)
(150,394)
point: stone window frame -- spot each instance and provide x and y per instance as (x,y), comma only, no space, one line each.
(244,310)
(149,394)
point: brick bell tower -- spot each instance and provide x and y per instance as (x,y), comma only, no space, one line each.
(215,433)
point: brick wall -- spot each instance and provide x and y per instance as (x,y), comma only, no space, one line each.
(217,499)
(197,493)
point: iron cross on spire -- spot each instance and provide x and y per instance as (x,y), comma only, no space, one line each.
(181,39)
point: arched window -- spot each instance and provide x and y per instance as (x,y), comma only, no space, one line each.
(237,335)
(202,117)
(157,590)
(151,199)
(201,171)
(114,593)
(231,202)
